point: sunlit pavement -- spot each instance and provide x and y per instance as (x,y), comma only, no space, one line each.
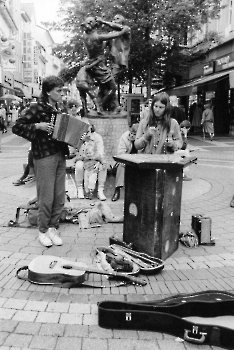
(46,317)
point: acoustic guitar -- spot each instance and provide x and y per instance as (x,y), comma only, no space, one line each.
(45,269)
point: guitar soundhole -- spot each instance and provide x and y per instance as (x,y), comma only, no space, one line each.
(68,267)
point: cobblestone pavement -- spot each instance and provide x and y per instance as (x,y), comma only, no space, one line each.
(47,317)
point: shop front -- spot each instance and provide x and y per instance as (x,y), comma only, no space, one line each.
(216,88)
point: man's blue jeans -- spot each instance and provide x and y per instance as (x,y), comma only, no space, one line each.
(50,177)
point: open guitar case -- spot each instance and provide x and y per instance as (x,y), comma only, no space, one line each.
(174,315)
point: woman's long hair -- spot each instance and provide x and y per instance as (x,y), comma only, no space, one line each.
(166,121)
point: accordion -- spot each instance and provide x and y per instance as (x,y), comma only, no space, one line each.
(69,129)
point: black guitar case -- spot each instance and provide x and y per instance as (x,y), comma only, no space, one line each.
(205,318)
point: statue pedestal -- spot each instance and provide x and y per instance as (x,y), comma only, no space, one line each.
(110,126)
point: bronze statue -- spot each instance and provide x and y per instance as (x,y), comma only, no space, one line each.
(97,68)
(85,86)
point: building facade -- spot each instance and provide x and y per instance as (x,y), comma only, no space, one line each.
(26,51)
(213,79)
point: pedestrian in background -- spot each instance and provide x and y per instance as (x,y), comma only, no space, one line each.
(197,117)
(29,173)
(158,133)
(126,145)
(207,121)
(35,125)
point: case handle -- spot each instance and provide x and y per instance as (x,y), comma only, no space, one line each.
(194,331)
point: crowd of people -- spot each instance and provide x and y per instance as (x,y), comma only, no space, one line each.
(156,133)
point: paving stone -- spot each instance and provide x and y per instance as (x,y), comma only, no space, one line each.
(3,336)
(36,296)
(21,340)
(28,328)
(28,316)
(48,317)
(98,332)
(71,319)
(90,319)
(36,305)
(15,304)
(71,343)
(52,329)
(8,326)
(25,295)
(116,344)
(80,308)
(43,342)
(97,344)
(7,314)
(80,331)
(57,307)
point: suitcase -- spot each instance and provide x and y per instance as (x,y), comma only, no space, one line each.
(202,227)
(205,318)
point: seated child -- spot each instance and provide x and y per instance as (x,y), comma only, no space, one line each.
(92,165)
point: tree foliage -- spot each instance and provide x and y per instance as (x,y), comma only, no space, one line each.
(160,30)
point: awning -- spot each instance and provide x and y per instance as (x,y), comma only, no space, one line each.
(27,94)
(36,93)
(190,88)
(19,92)
(10,90)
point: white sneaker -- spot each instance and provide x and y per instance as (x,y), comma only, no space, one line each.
(80,193)
(45,240)
(54,236)
(101,195)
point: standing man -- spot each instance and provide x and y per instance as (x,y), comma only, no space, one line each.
(95,44)
(35,125)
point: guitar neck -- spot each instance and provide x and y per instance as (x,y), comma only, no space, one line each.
(114,274)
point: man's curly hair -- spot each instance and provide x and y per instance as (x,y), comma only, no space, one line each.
(51,82)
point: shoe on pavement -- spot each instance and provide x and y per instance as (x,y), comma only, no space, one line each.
(80,192)
(54,236)
(19,182)
(29,179)
(116,195)
(45,240)
(101,195)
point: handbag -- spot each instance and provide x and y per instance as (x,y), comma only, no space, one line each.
(189,239)
(32,216)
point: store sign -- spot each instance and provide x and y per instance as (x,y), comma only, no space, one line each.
(28,58)
(28,76)
(208,68)
(8,79)
(224,62)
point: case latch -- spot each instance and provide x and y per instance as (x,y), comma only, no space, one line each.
(128,316)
